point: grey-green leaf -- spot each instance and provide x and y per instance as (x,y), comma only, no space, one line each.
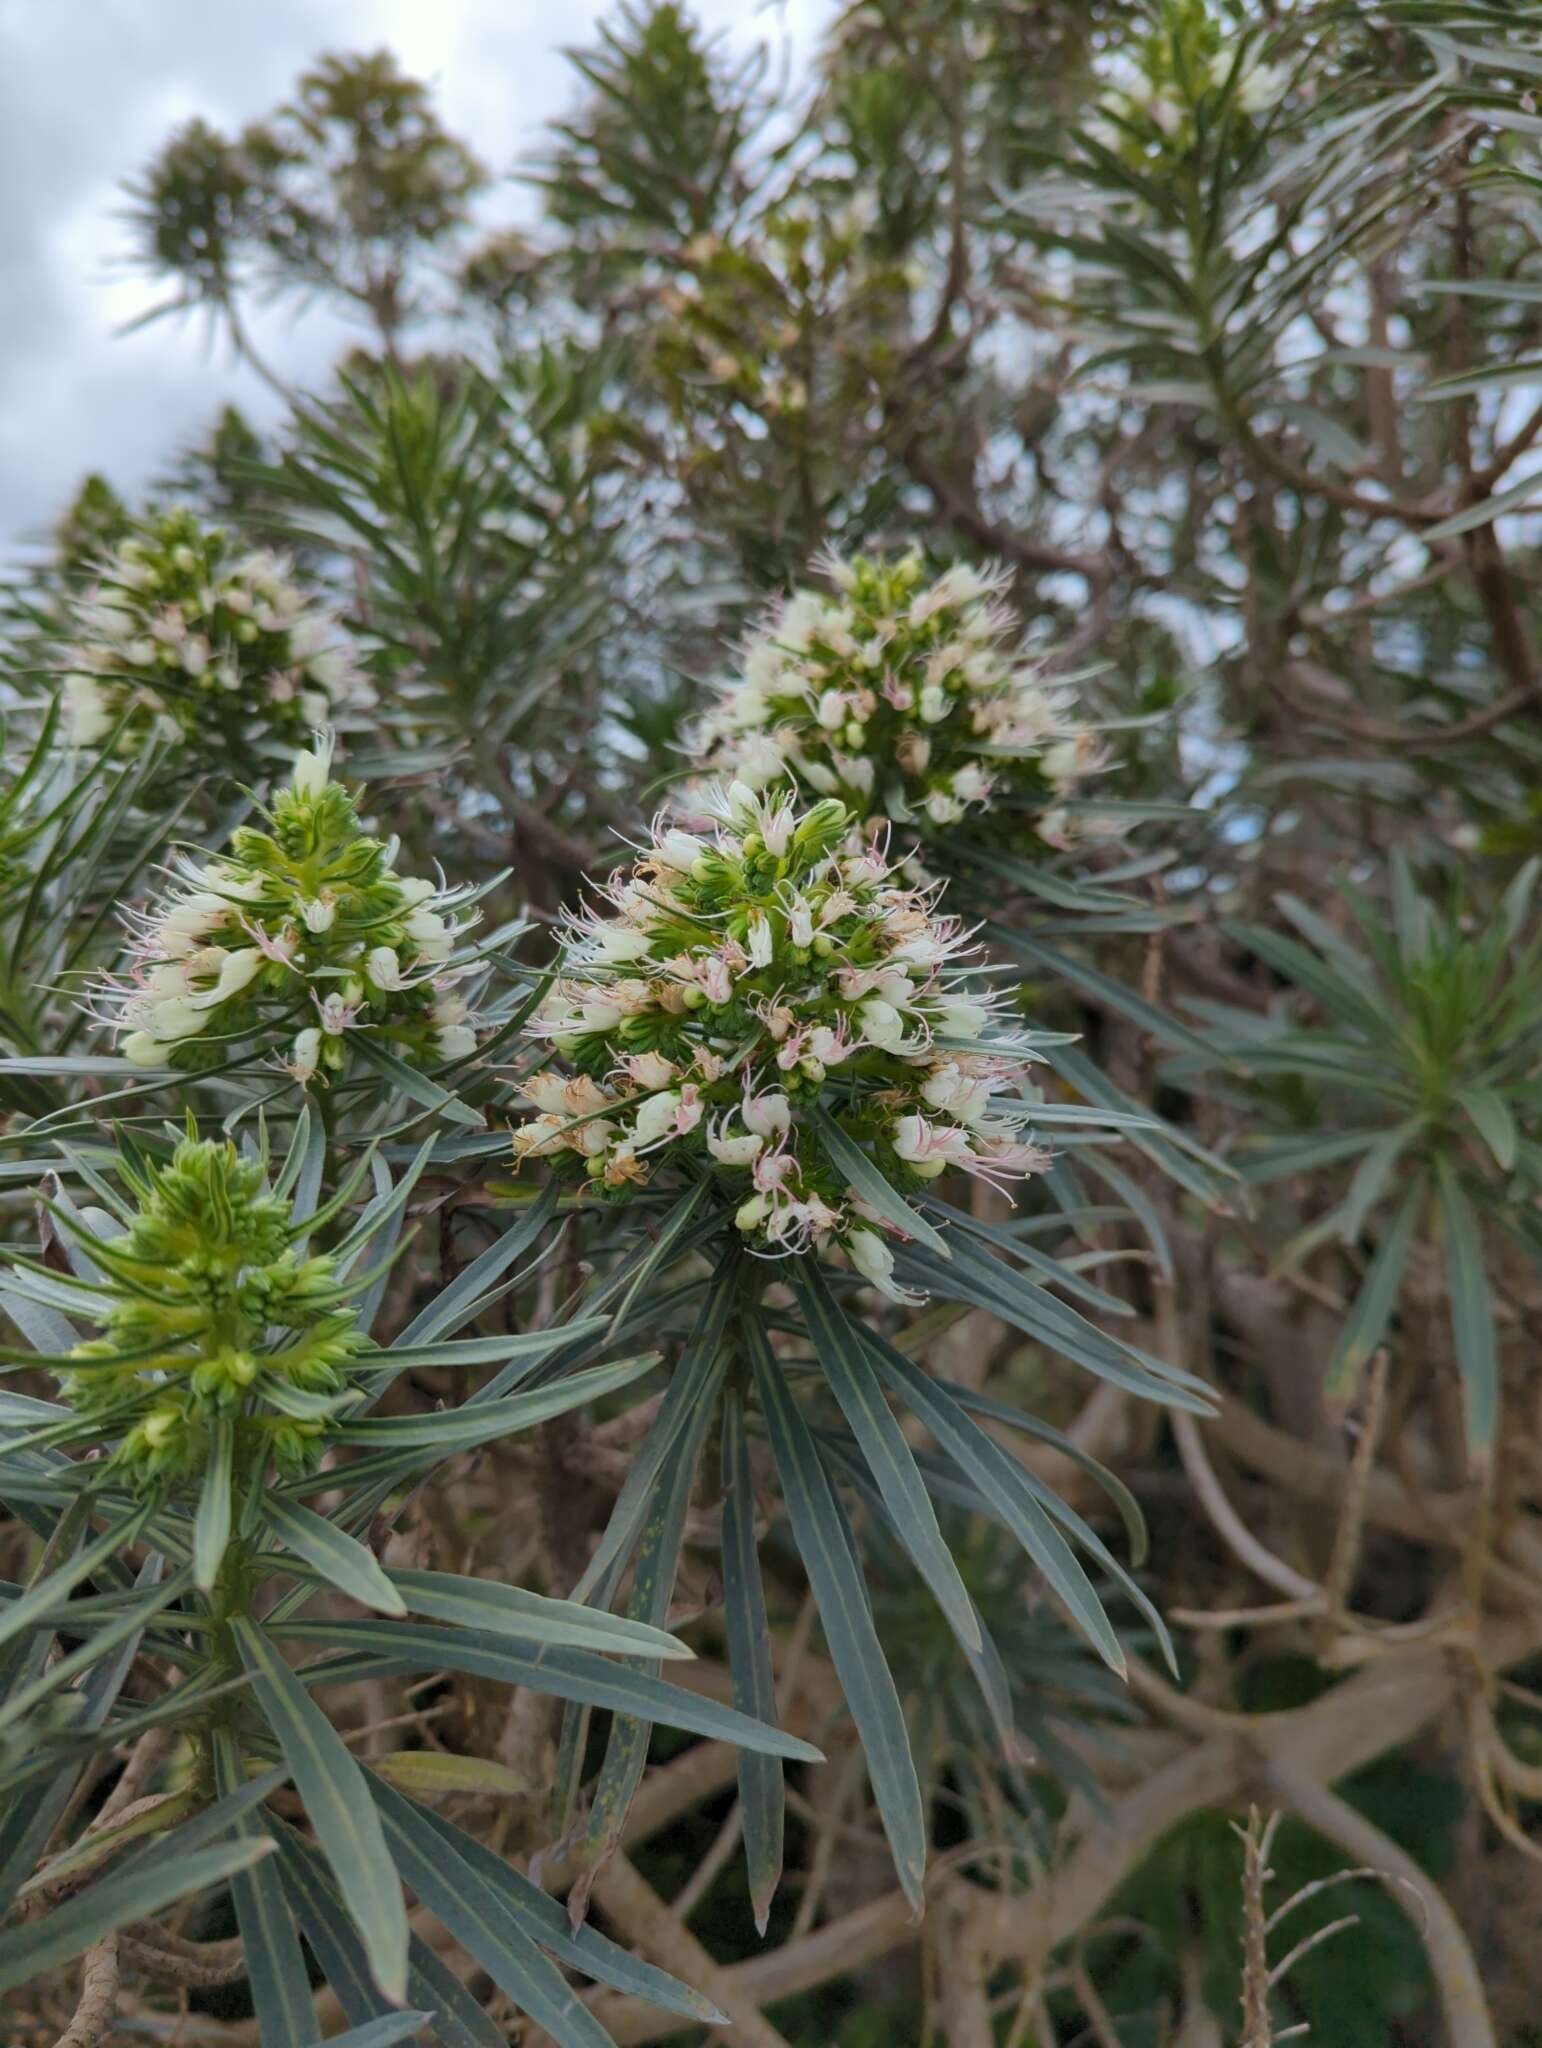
(330,1781)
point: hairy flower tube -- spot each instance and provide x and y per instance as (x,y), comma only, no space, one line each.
(291,942)
(907,698)
(197,640)
(754,1003)
(209,1314)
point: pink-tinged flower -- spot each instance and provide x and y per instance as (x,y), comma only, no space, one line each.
(337,1016)
(965,1097)
(789,1052)
(1010,1156)
(305,1055)
(930,1148)
(831,1047)
(663,1117)
(650,1069)
(280,946)
(716,982)
(774,1169)
(769,1115)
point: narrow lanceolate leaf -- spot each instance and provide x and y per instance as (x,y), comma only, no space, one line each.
(530,1617)
(405,1646)
(693,1383)
(51,1592)
(275,1964)
(1366,1323)
(1472,1317)
(480,1920)
(383,2032)
(336,1797)
(859,1391)
(449,1310)
(457,2019)
(434,1773)
(545,1920)
(417,1087)
(211,1527)
(1004,1484)
(458,1429)
(28,1952)
(762,1794)
(653,1582)
(840,1593)
(1491,1116)
(872,1185)
(341,1560)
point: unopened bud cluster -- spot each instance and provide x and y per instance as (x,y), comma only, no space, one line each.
(907,698)
(213,1316)
(290,942)
(733,982)
(192,639)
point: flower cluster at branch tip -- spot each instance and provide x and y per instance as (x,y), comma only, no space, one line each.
(293,941)
(197,641)
(214,1315)
(737,990)
(907,698)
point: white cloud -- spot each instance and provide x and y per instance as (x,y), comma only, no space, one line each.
(93,88)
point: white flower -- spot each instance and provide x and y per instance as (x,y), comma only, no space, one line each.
(383,967)
(313,771)
(731,1149)
(305,1056)
(431,938)
(174,1018)
(678,849)
(882,1024)
(758,940)
(617,942)
(655,1118)
(934,703)
(141,1050)
(875,1262)
(767,1115)
(943,808)
(716,981)
(455,1041)
(90,714)
(651,1069)
(318,914)
(958,1017)
(236,970)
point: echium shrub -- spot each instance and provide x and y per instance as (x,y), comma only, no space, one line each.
(762,1004)
(189,636)
(910,698)
(293,941)
(211,1321)
(226,1360)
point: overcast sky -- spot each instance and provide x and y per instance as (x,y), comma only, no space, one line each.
(90,88)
